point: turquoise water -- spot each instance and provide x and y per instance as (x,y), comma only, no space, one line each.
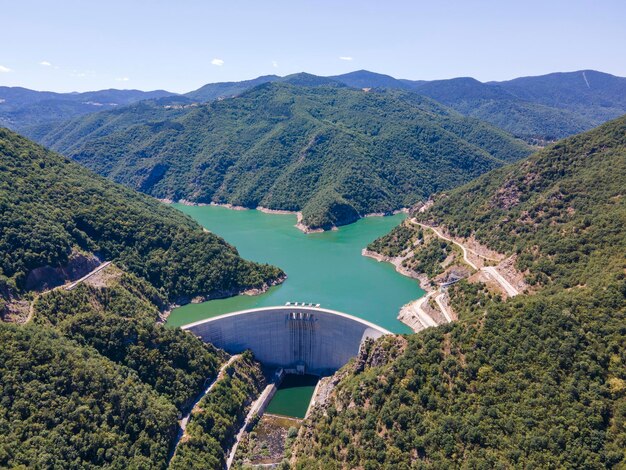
(325,268)
(293,396)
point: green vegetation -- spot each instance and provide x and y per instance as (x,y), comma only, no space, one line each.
(535,382)
(22,108)
(332,152)
(119,321)
(50,206)
(562,211)
(396,242)
(93,380)
(212,429)
(66,406)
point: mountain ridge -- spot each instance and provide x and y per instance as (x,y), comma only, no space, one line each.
(348,151)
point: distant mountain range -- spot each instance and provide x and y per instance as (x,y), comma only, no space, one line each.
(21,107)
(537,109)
(541,108)
(333,152)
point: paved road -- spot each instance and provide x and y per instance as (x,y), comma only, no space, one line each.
(493,272)
(490,270)
(87,276)
(442,307)
(425,319)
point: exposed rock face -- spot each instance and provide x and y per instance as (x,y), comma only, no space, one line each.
(47,277)
(377,353)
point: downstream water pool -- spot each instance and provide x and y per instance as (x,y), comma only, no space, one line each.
(325,268)
(293,396)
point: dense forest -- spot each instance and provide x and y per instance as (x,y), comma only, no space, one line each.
(562,210)
(535,382)
(94,379)
(332,152)
(50,207)
(220,414)
(120,322)
(66,406)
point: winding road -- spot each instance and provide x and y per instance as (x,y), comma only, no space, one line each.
(31,308)
(443,237)
(491,271)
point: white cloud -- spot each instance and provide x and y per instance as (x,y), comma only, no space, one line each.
(122,79)
(343,57)
(218,62)
(45,63)
(274,64)
(4,69)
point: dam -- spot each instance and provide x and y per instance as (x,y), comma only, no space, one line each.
(298,338)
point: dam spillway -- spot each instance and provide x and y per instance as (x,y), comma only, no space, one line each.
(300,339)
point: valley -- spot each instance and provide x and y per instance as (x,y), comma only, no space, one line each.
(331,270)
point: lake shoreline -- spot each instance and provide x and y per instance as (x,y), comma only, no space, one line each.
(299,224)
(326,268)
(217,295)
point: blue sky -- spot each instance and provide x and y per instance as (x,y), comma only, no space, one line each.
(179,45)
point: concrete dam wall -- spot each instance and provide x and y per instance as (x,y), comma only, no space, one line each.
(304,339)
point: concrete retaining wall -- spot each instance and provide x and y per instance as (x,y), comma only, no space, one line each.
(307,339)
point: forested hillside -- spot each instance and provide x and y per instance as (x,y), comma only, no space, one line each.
(538,381)
(494,104)
(562,211)
(537,109)
(93,379)
(51,208)
(331,152)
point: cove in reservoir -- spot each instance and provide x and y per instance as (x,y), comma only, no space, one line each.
(325,268)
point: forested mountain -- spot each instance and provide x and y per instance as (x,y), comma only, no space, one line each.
(52,207)
(595,95)
(546,107)
(21,108)
(494,104)
(213,91)
(367,79)
(332,152)
(538,381)
(92,379)
(537,109)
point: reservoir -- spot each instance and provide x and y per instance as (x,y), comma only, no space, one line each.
(325,268)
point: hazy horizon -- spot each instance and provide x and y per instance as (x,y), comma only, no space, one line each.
(147,45)
(282,76)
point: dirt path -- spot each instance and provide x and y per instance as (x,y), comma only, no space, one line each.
(87,276)
(442,236)
(184,421)
(31,308)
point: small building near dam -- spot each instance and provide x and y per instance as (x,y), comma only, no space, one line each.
(300,339)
